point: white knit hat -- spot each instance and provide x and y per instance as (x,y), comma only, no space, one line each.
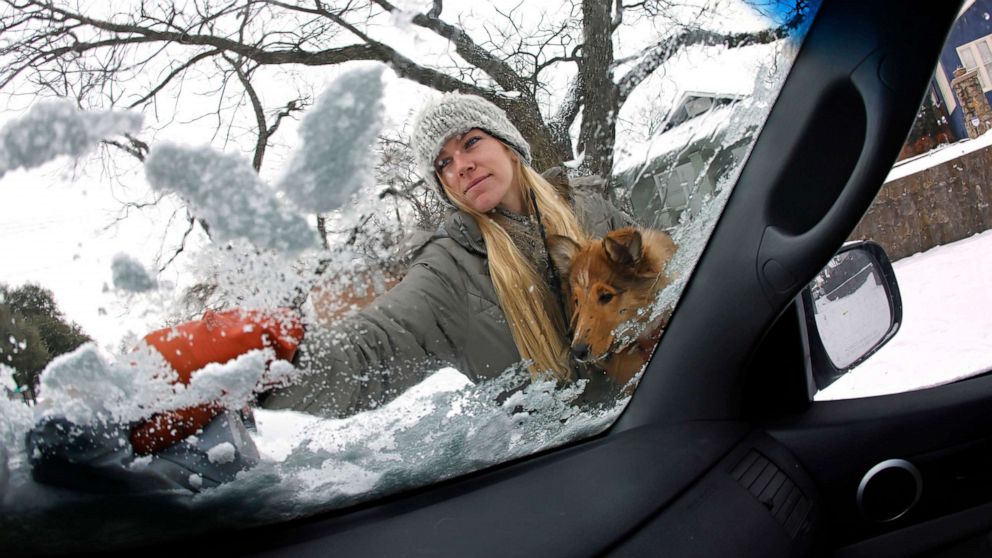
(455,113)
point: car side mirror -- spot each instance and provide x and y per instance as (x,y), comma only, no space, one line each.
(852,309)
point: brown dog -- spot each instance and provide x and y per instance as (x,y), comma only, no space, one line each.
(611,284)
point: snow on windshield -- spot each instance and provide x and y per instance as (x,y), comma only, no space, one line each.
(439,429)
(742,124)
(443,427)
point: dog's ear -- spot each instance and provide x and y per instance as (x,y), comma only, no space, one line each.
(623,246)
(562,251)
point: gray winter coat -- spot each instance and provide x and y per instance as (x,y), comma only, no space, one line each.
(443,313)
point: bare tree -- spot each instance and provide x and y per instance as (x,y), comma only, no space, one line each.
(397,175)
(69,48)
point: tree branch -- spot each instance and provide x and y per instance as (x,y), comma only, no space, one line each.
(500,71)
(182,243)
(295,105)
(182,68)
(252,52)
(261,136)
(569,110)
(135,147)
(435,9)
(653,57)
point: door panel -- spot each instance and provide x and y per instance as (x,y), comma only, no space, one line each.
(944,431)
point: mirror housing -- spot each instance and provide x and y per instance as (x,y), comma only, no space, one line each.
(852,308)
(830,327)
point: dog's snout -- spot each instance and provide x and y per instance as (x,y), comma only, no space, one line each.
(580,351)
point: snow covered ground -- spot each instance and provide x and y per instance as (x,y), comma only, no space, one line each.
(946,332)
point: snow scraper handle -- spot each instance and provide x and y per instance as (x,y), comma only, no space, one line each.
(217,337)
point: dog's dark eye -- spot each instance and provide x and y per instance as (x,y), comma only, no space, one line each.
(605,298)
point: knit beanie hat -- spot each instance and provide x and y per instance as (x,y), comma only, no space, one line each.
(452,114)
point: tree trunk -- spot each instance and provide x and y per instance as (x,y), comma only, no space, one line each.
(601,94)
(545,151)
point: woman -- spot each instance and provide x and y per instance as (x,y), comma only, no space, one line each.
(480,294)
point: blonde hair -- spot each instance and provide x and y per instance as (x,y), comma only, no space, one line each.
(532,310)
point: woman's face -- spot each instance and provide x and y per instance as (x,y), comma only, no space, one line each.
(480,170)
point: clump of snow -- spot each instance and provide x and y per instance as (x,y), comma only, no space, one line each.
(224,452)
(402,19)
(279,373)
(576,162)
(129,275)
(140,463)
(53,129)
(231,383)
(336,156)
(7,376)
(279,432)
(16,419)
(84,386)
(239,276)
(224,190)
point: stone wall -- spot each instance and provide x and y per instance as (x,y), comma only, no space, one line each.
(936,206)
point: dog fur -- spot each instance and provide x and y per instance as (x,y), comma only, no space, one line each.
(610,284)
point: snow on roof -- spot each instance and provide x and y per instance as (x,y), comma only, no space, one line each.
(703,72)
(723,72)
(704,125)
(686,95)
(710,123)
(938,156)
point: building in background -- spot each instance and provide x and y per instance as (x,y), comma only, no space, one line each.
(963,77)
(680,167)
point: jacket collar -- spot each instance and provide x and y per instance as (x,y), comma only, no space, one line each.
(462,228)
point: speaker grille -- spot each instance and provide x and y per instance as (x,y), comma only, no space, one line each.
(775,490)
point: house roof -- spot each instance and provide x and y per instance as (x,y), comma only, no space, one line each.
(705,125)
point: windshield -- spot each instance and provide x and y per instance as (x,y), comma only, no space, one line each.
(239,288)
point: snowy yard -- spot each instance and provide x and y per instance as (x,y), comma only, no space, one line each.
(946,332)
